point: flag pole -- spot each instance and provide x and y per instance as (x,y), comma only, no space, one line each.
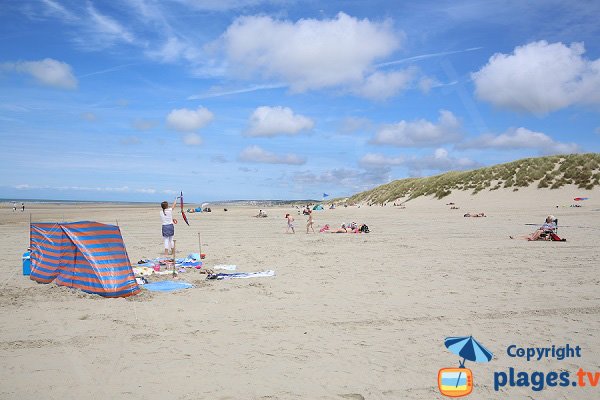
(199,245)
(174,259)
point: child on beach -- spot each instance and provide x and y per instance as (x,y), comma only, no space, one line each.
(309,223)
(168,229)
(290,223)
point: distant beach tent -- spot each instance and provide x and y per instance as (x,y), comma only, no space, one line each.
(85,255)
(318,207)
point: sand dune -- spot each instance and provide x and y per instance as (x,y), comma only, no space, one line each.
(346,316)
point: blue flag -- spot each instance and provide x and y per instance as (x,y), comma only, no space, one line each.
(325,195)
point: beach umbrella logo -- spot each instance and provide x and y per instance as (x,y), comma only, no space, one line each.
(458,382)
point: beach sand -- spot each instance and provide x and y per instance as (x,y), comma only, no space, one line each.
(346,316)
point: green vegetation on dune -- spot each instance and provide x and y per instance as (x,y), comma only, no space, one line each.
(550,172)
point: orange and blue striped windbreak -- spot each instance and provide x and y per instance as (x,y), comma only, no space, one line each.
(85,255)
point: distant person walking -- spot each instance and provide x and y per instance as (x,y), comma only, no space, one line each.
(168,227)
(22,207)
(14,206)
(290,223)
(309,222)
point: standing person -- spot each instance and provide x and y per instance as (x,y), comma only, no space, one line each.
(22,207)
(290,223)
(14,206)
(168,229)
(309,223)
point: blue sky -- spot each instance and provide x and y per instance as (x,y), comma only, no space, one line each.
(138,99)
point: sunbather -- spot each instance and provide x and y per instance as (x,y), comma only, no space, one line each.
(549,226)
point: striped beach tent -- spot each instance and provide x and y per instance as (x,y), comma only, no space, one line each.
(84,255)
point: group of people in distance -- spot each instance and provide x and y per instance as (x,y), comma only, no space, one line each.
(345,228)
(309,222)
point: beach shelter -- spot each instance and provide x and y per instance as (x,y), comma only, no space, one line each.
(85,255)
(318,207)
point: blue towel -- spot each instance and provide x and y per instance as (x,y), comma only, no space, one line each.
(167,286)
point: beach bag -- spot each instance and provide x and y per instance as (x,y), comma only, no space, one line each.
(364,228)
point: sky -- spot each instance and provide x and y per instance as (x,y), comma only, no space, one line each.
(137,100)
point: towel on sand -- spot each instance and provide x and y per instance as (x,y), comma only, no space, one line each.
(240,275)
(167,286)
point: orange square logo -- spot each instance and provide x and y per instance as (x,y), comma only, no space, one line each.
(455,382)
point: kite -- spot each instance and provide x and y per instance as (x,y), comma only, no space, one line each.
(183,213)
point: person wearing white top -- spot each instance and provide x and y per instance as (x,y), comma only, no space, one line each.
(168,229)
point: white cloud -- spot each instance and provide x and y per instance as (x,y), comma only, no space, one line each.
(55,8)
(309,53)
(521,138)
(371,160)
(420,132)
(48,72)
(345,177)
(108,27)
(539,77)
(255,154)
(272,121)
(185,120)
(192,139)
(383,85)
(440,161)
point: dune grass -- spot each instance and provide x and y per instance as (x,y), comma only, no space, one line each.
(550,172)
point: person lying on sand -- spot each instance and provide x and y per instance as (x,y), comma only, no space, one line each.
(346,228)
(475,215)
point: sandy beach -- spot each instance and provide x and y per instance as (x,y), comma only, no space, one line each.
(346,316)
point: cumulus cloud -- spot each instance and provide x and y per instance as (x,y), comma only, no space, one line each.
(440,161)
(383,85)
(48,72)
(371,160)
(539,77)
(192,139)
(255,154)
(311,53)
(345,177)
(521,138)
(421,133)
(272,121)
(185,120)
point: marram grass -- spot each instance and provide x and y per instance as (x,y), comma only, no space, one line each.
(550,172)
